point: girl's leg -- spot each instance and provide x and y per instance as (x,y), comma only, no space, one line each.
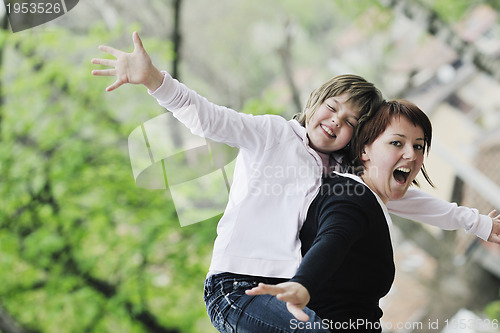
(231,310)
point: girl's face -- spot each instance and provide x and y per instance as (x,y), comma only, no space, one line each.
(331,127)
(394,159)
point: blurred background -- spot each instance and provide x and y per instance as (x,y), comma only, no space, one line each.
(83,248)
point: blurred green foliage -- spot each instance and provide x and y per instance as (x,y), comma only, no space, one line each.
(82,248)
(493,310)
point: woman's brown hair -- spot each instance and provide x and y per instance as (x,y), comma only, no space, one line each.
(369,129)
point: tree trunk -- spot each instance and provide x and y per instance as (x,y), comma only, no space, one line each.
(176,40)
(286,57)
(5,27)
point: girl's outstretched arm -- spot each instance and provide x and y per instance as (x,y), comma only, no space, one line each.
(420,206)
(202,117)
(135,67)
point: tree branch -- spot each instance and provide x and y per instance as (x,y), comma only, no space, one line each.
(437,27)
(9,325)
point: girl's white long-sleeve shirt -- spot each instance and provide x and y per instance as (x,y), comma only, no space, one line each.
(276,177)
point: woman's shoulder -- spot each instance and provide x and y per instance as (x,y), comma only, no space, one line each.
(348,187)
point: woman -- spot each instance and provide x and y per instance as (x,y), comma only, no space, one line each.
(348,260)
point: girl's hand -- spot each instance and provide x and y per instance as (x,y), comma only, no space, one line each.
(135,67)
(294,294)
(495,231)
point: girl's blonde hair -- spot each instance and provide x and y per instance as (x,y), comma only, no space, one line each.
(362,94)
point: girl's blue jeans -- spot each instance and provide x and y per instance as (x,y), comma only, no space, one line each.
(231,310)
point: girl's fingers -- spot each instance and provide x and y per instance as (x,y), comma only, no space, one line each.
(110,50)
(495,238)
(104,62)
(104,72)
(115,85)
(137,42)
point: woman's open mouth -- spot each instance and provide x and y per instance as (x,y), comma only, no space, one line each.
(401,175)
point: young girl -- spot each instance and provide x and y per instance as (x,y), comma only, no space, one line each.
(258,233)
(348,258)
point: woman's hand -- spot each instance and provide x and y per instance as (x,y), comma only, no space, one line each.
(294,294)
(135,67)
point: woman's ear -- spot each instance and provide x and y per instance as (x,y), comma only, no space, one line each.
(364,156)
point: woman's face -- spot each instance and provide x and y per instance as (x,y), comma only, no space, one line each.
(394,159)
(331,127)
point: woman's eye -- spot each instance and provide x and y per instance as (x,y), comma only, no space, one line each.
(331,108)
(418,147)
(396,143)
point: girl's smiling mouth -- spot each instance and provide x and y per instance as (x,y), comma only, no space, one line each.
(328,130)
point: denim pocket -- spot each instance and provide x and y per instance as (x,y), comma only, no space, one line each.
(221,324)
(217,305)
(238,285)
